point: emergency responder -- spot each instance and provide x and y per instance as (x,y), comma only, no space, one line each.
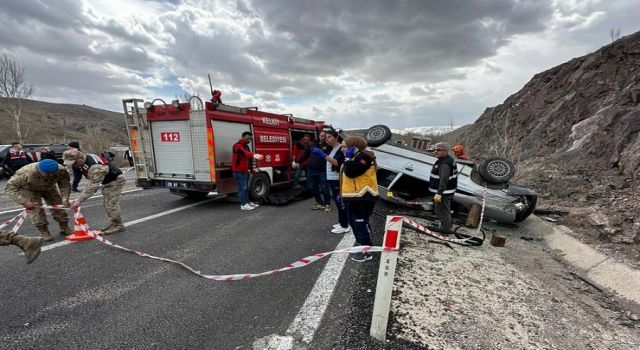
(30,246)
(77,174)
(458,151)
(359,190)
(99,174)
(242,165)
(15,159)
(443,182)
(38,181)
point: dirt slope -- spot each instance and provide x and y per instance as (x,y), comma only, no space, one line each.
(573,132)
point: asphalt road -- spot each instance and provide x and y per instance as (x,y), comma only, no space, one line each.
(87,295)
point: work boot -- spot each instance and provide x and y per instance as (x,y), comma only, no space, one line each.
(116,227)
(64,228)
(45,234)
(106,227)
(29,245)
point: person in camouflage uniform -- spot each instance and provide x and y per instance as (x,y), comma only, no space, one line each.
(37,181)
(30,245)
(100,173)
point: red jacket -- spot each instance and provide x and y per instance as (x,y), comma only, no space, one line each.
(242,159)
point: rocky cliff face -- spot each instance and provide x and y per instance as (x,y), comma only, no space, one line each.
(573,132)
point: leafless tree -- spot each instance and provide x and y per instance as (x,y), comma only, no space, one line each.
(15,90)
(96,140)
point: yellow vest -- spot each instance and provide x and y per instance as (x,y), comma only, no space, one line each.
(359,186)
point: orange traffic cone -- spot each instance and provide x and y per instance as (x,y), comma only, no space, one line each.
(80,230)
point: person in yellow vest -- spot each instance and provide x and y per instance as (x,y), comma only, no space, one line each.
(359,190)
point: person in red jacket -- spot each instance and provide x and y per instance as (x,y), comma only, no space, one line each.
(241,165)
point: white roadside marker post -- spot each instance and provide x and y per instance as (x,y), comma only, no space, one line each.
(386,273)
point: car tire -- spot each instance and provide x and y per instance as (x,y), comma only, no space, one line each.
(496,170)
(531,205)
(377,135)
(259,187)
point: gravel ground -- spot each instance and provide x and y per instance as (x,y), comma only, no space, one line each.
(517,297)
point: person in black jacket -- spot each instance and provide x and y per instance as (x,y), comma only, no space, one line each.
(317,180)
(334,159)
(443,182)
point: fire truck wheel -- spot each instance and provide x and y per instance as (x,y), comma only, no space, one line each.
(259,186)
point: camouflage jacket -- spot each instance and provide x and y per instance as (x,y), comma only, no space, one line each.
(28,180)
(95,174)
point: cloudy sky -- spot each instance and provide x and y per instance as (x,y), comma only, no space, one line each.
(354,63)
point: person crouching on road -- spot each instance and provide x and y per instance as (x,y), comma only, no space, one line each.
(359,190)
(37,181)
(241,165)
(443,182)
(99,174)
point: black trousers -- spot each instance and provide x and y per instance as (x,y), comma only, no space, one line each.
(77,176)
(359,213)
(443,212)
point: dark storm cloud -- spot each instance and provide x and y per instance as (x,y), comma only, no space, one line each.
(389,40)
(223,54)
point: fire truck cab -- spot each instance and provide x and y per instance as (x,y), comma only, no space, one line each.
(187,147)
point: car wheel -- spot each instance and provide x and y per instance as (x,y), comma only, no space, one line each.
(529,203)
(259,187)
(377,135)
(496,170)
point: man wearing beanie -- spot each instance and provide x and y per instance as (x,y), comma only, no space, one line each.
(100,174)
(37,181)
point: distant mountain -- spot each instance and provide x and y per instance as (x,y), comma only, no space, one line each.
(426,130)
(45,122)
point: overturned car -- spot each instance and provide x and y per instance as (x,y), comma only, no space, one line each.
(403,178)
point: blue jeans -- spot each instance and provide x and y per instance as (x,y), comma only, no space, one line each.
(343,218)
(297,174)
(243,187)
(319,187)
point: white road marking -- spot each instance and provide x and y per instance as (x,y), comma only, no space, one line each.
(96,196)
(130,223)
(310,315)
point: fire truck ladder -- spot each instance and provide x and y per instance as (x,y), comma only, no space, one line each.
(134,120)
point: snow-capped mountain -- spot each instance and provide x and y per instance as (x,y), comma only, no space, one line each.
(425,130)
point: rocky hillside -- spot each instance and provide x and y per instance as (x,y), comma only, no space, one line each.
(45,122)
(573,132)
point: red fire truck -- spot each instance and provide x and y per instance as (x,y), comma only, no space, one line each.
(186,147)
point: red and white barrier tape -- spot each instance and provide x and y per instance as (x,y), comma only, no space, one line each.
(81,222)
(423,229)
(484,202)
(23,215)
(20,217)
